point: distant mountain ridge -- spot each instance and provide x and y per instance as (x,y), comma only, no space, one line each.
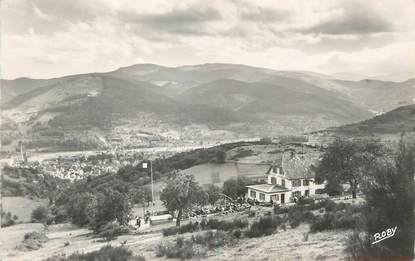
(191,103)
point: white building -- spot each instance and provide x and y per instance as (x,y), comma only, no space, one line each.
(289,179)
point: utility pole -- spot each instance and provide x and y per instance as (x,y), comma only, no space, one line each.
(152,183)
(145,166)
(1,197)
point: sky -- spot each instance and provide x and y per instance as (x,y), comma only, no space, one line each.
(51,38)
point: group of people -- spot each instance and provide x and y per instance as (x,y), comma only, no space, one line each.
(139,221)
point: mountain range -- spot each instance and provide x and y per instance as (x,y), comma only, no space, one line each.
(188,104)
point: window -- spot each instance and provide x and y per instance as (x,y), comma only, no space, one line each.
(273,181)
(253,194)
(296,183)
(283,182)
(275,197)
(306,182)
(307,193)
(261,196)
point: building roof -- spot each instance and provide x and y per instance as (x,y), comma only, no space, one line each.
(294,166)
(268,188)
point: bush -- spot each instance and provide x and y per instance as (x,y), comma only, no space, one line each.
(329,205)
(305,201)
(190,227)
(107,253)
(280,210)
(170,231)
(337,220)
(224,225)
(183,249)
(8,219)
(111,231)
(358,246)
(32,241)
(212,239)
(39,215)
(251,213)
(264,226)
(297,216)
(237,233)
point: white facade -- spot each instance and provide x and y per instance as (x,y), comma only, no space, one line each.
(295,188)
(263,196)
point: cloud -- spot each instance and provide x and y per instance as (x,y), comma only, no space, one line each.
(44,38)
(188,21)
(261,14)
(353,18)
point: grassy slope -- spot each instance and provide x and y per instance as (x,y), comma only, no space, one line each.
(393,122)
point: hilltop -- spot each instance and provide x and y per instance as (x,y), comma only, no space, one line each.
(396,121)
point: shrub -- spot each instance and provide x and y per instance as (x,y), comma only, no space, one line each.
(170,231)
(183,249)
(107,253)
(337,220)
(39,215)
(264,226)
(297,216)
(305,201)
(111,231)
(190,227)
(237,233)
(224,225)
(8,219)
(280,210)
(32,241)
(211,239)
(329,205)
(358,246)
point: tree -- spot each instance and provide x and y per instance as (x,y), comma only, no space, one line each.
(220,156)
(181,193)
(82,208)
(140,195)
(112,205)
(347,161)
(213,193)
(235,188)
(390,198)
(40,215)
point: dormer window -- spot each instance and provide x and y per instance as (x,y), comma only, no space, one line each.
(278,171)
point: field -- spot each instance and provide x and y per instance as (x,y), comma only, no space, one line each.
(22,207)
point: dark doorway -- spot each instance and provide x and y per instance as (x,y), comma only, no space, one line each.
(282,198)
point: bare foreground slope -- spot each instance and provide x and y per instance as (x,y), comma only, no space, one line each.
(284,245)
